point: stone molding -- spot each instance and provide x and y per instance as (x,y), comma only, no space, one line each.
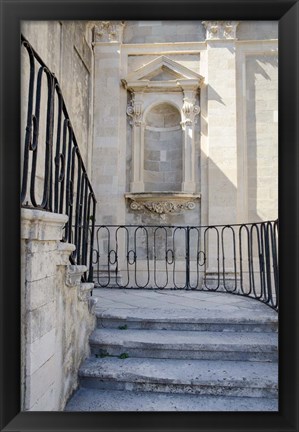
(74,274)
(108,31)
(84,291)
(221,30)
(64,251)
(92,303)
(42,225)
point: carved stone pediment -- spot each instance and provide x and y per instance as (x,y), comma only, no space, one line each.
(162,74)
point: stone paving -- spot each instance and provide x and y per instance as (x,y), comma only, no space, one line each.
(184,351)
(180,303)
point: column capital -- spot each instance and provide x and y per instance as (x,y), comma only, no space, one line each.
(221,30)
(190,111)
(108,31)
(135,109)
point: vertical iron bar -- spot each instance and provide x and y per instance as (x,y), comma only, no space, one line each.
(187,257)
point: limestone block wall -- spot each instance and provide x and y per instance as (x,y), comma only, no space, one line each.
(56,311)
(163,31)
(163,149)
(262,135)
(63,47)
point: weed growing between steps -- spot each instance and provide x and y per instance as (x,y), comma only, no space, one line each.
(104,354)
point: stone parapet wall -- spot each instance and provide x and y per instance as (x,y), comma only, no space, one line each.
(56,312)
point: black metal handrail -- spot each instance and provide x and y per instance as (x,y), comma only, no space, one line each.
(54,175)
(238,259)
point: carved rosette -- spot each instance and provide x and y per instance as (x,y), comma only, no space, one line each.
(109,31)
(162,208)
(220,29)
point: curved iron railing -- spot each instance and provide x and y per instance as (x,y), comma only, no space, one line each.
(238,259)
(54,177)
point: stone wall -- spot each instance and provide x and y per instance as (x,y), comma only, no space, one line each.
(163,31)
(63,47)
(235,136)
(262,135)
(163,149)
(56,311)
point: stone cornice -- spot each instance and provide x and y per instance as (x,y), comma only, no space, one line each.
(42,225)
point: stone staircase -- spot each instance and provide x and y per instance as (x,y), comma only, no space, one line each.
(144,361)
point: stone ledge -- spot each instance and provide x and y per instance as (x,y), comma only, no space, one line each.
(84,291)
(41,225)
(64,251)
(74,274)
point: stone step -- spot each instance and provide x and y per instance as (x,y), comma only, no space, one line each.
(185,345)
(86,399)
(204,321)
(210,378)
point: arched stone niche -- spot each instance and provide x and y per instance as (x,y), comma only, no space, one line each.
(163,107)
(163,163)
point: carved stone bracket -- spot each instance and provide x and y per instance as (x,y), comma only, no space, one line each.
(220,29)
(162,204)
(108,31)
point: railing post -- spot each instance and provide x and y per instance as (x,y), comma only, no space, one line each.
(187,257)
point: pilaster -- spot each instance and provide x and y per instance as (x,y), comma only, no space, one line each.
(108,133)
(222,129)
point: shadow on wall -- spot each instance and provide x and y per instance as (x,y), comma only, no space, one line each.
(213,95)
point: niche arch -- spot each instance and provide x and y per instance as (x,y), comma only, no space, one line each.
(163,152)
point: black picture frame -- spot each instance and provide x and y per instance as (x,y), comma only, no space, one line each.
(12,12)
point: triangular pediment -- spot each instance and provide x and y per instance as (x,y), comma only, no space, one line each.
(163,69)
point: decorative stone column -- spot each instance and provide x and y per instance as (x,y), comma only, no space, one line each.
(108,174)
(189,112)
(221,130)
(134,110)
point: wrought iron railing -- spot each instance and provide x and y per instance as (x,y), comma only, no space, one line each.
(54,177)
(238,259)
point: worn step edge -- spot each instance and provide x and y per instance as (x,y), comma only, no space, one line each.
(115,400)
(157,375)
(111,350)
(178,340)
(196,345)
(188,325)
(200,319)
(208,390)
